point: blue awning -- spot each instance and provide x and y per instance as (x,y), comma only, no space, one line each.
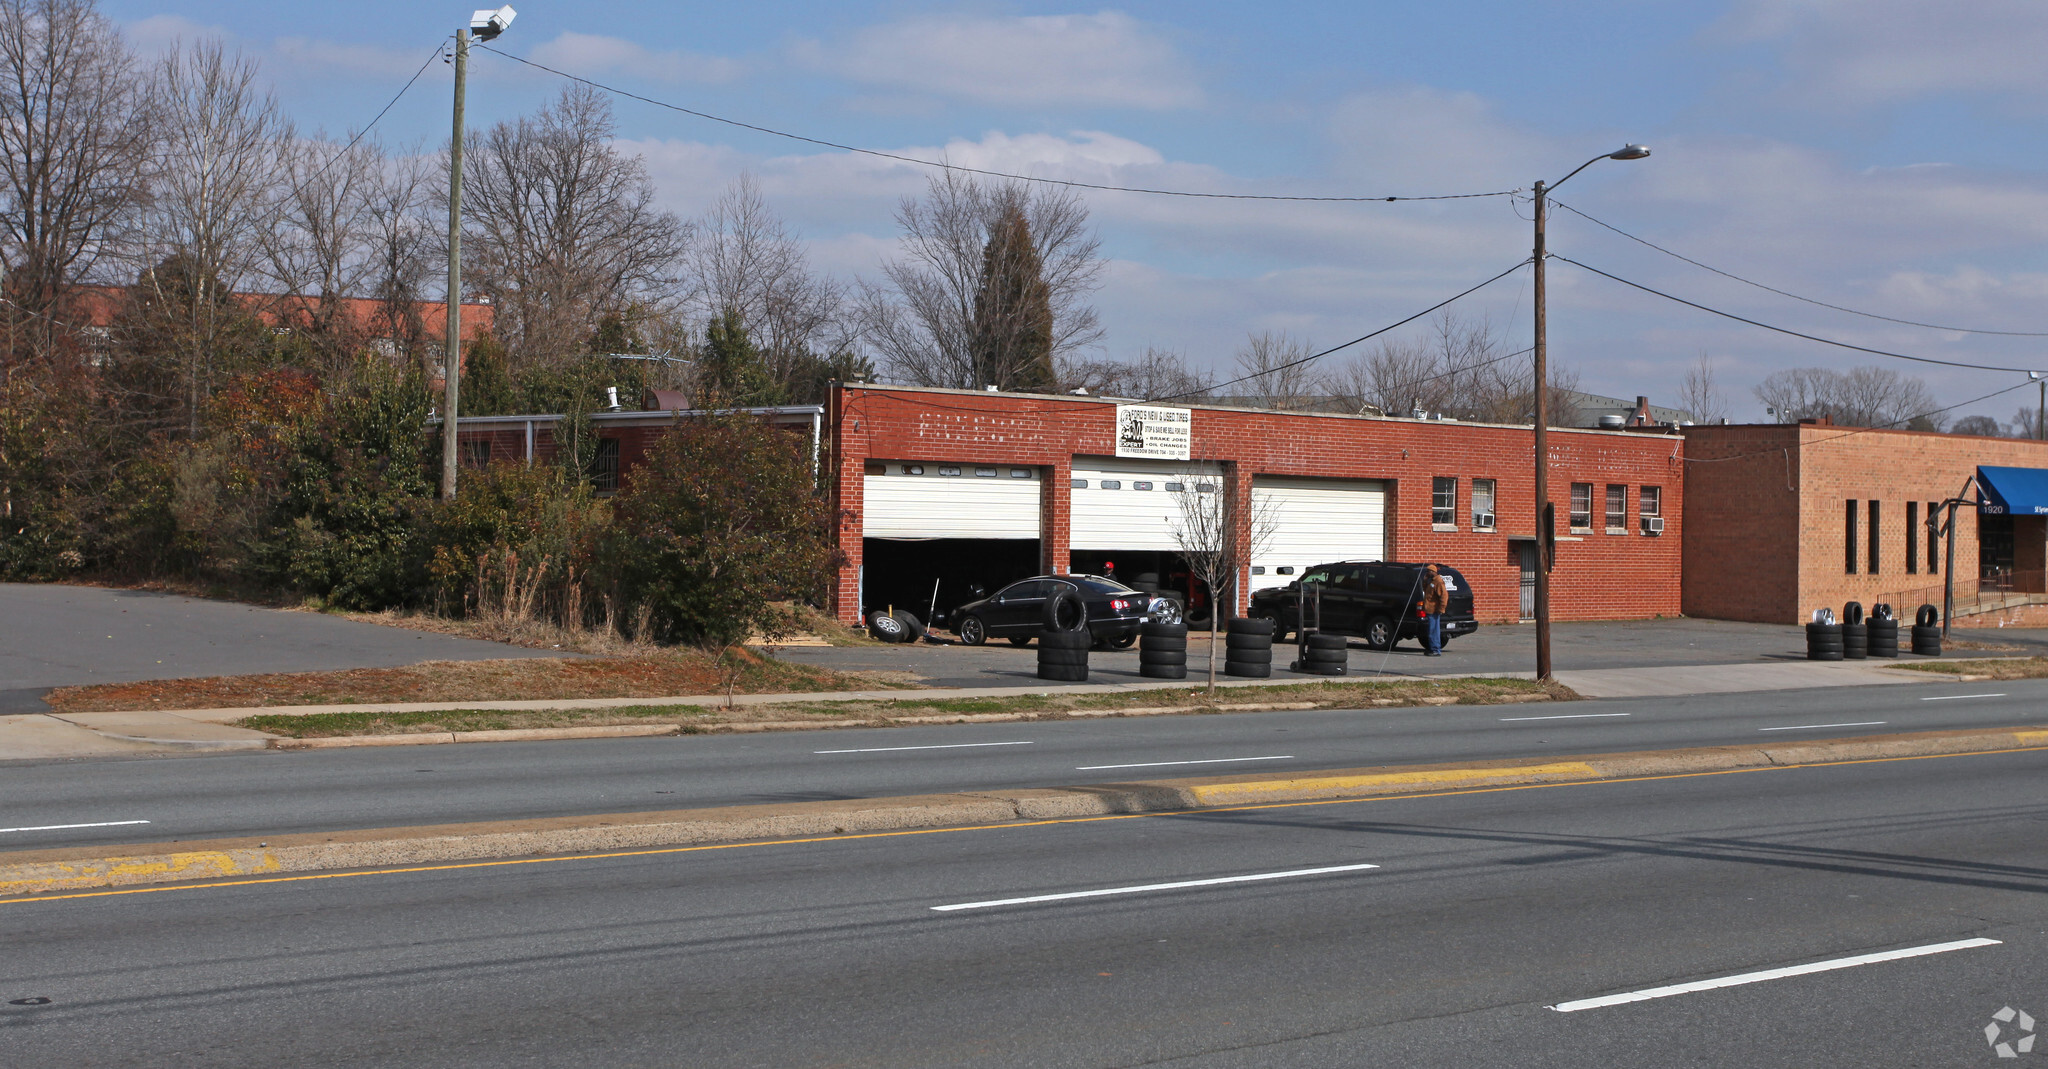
(2012,491)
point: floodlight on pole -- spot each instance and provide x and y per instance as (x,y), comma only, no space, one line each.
(487,25)
(1546,515)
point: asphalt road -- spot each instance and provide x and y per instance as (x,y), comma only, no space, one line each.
(1482,911)
(1494,648)
(272,792)
(56,636)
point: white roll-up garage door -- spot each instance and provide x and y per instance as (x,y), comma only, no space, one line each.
(1316,521)
(924,499)
(1130,504)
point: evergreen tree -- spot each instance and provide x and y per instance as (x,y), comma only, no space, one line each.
(1012,342)
(730,371)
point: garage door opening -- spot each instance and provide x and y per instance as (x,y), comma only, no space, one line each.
(911,573)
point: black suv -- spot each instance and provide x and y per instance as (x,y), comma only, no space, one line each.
(1375,600)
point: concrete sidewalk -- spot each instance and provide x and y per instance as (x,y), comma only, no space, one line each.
(54,735)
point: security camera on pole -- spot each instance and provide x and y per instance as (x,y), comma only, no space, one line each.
(1546,515)
(486,25)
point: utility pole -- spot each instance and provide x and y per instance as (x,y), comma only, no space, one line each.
(1546,523)
(487,25)
(451,347)
(1545,528)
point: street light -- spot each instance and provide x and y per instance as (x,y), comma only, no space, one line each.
(1546,513)
(486,25)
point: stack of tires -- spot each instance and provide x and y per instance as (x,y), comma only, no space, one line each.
(1927,631)
(1248,648)
(895,625)
(1823,641)
(1855,634)
(1163,651)
(1064,640)
(1324,654)
(1884,631)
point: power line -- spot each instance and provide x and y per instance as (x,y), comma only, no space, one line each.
(957,167)
(1787,330)
(1354,341)
(1787,293)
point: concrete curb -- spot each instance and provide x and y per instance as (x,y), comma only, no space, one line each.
(614,731)
(81,868)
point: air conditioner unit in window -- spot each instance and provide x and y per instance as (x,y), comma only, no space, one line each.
(1653,525)
(1483,520)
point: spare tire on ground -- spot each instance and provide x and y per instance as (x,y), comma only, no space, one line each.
(910,623)
(886,627)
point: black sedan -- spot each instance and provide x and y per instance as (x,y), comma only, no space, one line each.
(1017,611)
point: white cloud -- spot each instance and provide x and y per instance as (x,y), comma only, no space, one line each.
(1103,60)
(595,56)
(1853,52)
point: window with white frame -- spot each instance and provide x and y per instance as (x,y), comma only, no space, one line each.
(1482,504)
(1650,504)
(1443,501)
(1617,508)
(1582,507)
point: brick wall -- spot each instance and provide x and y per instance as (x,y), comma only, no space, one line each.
(1768,526)
(1598,575)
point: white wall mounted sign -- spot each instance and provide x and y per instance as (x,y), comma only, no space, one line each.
(1150,431)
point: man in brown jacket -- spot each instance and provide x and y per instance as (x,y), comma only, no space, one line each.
(1434,598)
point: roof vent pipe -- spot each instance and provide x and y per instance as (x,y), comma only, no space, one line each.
(1612,422)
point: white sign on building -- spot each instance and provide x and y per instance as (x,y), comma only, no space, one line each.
(1153,432)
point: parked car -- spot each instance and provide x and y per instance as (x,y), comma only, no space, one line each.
(1017,611)
(1375,600)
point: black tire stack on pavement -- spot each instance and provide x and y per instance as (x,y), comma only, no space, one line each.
(1884,632)
(1248,648)
(1855,633)
(1324,654)
(1927,631)
(1064,640)
(1823,642)
(1163,651)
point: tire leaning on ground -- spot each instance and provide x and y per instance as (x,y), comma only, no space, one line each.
(912,626)
(886,627)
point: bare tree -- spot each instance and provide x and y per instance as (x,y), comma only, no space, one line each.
(1217,546)
(323,248)
(923,324)
(745,259)
(208,211)
(562,227)
(1156,375)
(1275,372)
(1698,395)
(1861,397)
(1987,427)
(403,240)
(75,131)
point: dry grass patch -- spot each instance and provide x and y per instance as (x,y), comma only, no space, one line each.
(1989,668)
(1050,706)
(668,674)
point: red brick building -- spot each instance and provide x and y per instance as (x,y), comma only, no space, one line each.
(934,487)
(1784,519)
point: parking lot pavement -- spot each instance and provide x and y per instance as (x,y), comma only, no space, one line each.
(1493,649)
(54,636)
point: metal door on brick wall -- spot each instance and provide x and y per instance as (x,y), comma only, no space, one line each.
(1528,555)
(1133,504)
(935,499)
(1317,521)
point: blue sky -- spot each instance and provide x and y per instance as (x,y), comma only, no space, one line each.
(1884,154)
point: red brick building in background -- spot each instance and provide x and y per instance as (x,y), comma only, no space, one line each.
(930,484)
(1784,519)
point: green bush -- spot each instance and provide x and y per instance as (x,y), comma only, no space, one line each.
(724,519)
(516,542)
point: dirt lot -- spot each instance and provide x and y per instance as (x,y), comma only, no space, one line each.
(668,674)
